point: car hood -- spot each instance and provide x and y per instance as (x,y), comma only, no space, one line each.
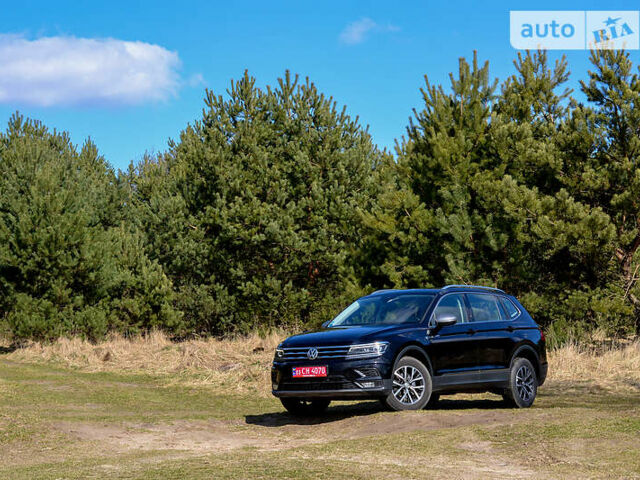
(337,336)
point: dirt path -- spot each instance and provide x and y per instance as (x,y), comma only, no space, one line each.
(276,431)
(279,431)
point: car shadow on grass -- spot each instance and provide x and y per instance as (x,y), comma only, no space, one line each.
(334,413)
(341,411)
(453,403)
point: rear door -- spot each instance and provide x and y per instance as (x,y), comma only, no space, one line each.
(452,348)
(493,330)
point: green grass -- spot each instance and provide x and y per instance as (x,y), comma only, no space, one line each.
(69,394)
(142,427)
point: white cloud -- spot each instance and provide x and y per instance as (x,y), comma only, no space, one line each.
(196,80)
(357,32)
(84,71)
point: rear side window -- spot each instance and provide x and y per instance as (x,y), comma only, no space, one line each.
(510,308)
(485,307)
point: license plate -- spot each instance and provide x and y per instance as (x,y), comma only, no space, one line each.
(306,372)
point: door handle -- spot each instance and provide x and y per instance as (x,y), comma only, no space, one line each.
(471,331)
(510,328)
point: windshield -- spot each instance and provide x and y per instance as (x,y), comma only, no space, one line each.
(392,309)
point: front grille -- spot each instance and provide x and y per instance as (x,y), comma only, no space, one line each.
(300,353)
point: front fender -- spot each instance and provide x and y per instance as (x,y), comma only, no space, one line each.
(415,350)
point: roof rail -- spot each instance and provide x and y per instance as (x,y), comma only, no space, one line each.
(383,290)
(474,286)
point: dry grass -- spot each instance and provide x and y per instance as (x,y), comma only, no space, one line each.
(614,368)
(242,364)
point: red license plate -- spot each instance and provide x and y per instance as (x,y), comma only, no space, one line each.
(306,372)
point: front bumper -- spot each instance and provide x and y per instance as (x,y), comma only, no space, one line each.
(350,394)
(347,379)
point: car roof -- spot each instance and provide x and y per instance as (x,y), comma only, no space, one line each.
(446,288)
(431,291)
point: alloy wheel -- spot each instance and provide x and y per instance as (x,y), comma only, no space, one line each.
(525,383)
(408,385)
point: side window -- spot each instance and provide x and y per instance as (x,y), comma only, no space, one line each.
(484,307)
(510,308)
(452,304)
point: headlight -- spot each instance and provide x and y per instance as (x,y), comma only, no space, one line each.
(368,349)
(279,353)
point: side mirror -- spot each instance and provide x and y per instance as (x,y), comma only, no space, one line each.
(445,320)
(325,324)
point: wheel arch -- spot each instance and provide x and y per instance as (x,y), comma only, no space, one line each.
(416,351)
(529,352)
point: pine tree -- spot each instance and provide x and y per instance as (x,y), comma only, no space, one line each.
(605,139)
(68,265)
(482,197)
(262,198)
(434,234)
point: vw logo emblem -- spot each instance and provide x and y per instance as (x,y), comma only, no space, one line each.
(312,353)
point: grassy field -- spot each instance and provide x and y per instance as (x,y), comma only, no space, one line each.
(152,409)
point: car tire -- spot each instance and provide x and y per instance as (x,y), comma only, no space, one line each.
(523,384)
(303,407)
(411,385)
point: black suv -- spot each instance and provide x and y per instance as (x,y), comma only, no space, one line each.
(406,347)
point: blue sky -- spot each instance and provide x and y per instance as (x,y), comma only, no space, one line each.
(370,56)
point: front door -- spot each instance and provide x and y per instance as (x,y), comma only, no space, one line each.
(452,347)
